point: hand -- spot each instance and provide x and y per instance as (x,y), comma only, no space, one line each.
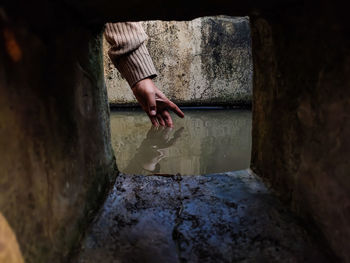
(154,103)
(159,137)
(153,149)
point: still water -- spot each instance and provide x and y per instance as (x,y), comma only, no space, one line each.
(205,141)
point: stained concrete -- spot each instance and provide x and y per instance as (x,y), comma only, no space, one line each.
(53,174)
(301,114)
(207,60)
(229,217)
(300,120)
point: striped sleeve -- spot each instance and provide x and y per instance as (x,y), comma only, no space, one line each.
(128,51)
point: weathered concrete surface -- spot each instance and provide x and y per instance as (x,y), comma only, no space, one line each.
(56,161)
(203,61)
(301,113)
(301,57)
(229,217)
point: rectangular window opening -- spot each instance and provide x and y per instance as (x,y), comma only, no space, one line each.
(205,67)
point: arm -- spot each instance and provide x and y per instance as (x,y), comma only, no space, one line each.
(129,54)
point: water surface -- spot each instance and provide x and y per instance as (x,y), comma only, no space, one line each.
(205,141)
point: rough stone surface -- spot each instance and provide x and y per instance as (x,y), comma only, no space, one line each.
(301,89)
(229,217)
(56,159)
(301,114)
(203,61)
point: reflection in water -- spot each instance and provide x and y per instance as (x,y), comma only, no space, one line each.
(205,141)
(152,150)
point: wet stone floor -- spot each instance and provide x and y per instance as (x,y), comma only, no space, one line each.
(227,217)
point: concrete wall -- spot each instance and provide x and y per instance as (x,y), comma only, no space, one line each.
(53,173)
(301,114)
(203,61)
(54,133)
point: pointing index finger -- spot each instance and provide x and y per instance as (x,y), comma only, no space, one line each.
(176,109)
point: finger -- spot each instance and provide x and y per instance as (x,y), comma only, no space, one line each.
(178,132)
(151,131)
(151,103)
(160,95)
(167,132)
(175,109)
(168,120)
(160,120)
(154,120)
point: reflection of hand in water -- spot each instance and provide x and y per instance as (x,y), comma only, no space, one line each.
(159,137)
(153,149)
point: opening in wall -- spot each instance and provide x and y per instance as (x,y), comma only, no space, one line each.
(204,66)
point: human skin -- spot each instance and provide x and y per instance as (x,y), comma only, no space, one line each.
(155,103)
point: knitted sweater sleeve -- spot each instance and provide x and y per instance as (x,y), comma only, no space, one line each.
(128,51)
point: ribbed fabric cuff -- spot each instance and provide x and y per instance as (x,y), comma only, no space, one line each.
(136,65)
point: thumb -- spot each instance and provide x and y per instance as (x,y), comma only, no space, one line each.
(151,103)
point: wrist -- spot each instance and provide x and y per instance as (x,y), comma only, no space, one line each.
(142,82)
